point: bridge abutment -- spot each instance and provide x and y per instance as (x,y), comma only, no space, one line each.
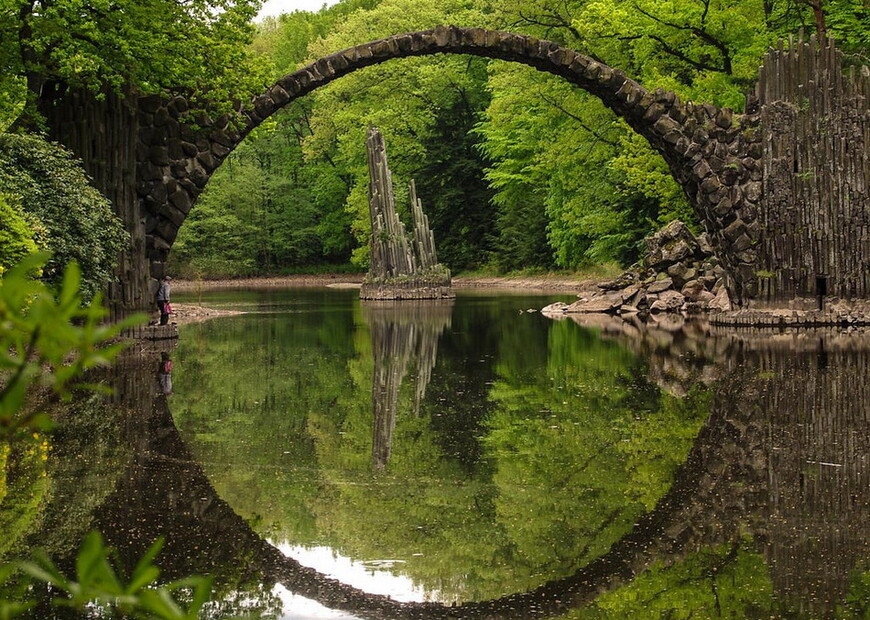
(104,133)
(814,248)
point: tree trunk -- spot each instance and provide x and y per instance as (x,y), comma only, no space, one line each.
(819,14)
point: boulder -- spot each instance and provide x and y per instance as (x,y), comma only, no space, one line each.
(625,280)
(668,301)
(606,302)
(676,251)
(721,302)
(692,289)
(705,297)
(704,244)
(672,243)
(677,263)
(558,307)
(631,295)
(660,285)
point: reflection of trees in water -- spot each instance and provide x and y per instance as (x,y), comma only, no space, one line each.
(403,333)
(782,457)
(793,467)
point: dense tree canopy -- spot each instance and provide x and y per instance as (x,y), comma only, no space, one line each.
(516,168)
(143,45)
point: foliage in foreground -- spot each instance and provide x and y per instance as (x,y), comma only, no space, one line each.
(47,340)
(51,340)
(97,584)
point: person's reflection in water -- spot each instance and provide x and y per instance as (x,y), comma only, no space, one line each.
(164,374)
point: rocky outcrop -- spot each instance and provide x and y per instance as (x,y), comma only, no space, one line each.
(402,266)
(679,274)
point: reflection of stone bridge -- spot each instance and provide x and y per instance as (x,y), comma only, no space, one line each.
(783,456)
(784,190)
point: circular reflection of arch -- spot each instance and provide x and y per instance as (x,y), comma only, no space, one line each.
(167,494)
(745,467)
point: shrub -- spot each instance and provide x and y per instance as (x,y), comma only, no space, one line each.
(16,236)
(49,184)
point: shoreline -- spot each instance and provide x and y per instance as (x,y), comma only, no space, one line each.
(194,312)
(554,283)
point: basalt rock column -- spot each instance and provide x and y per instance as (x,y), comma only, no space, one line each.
(103,132)
(815,212)
(400,268)
(391,257)
(424,240)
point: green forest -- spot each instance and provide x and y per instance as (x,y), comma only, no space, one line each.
(517,169)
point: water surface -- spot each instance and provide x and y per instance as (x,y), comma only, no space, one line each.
(319,455)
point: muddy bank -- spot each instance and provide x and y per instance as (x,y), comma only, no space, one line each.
(539,283)
(182,314)
(543,283)
(339,280)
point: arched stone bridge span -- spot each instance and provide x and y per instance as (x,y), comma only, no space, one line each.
(783,190)
(710,155)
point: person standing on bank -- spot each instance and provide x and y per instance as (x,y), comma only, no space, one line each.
(163,300)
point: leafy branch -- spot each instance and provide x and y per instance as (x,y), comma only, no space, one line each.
(47,340)
(97,583)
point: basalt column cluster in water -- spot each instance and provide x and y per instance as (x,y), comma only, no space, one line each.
(402,267)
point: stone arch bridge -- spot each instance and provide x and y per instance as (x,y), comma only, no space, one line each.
(783,190)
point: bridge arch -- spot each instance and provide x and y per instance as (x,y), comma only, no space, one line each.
(709,154)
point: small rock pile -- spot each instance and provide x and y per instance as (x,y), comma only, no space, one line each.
(679,274)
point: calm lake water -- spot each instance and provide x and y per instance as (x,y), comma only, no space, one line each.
(323,458)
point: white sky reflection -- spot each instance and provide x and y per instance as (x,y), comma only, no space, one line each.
(273,8)
(372,577)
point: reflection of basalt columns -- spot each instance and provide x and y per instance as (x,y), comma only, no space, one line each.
(794,468)
(401,268)
(808,409)
(401,335)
